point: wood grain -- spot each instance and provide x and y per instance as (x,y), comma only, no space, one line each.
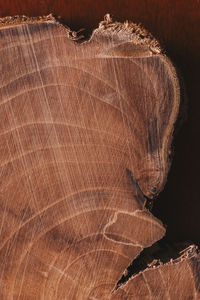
(176,279)
(176,23)
(86,129)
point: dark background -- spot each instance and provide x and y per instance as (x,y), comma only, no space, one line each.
(176,24)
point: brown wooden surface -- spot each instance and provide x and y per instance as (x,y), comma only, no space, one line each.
(86,133)
(176,23)
(177,279)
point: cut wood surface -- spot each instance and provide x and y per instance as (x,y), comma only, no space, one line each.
(176,280)
(86,130)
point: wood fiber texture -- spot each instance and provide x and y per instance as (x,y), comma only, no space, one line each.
(176,24)
(177,279)
(86,129)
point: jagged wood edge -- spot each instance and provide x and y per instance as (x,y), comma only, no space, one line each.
(139,36)
(130,32)
(187,254)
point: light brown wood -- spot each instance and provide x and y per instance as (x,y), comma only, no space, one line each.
(86,128)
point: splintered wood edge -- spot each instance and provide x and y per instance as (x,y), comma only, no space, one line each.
(134,33)
(131,31)
(128,32)
(187,254)
(19,20)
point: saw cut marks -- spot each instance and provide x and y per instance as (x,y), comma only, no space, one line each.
(85,134)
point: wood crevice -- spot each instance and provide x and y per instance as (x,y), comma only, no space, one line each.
(159,254)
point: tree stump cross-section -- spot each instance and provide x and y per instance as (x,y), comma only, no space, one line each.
(86,130)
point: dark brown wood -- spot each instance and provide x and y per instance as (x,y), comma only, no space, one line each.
(86,129)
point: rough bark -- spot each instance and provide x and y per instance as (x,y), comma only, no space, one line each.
(85,138)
